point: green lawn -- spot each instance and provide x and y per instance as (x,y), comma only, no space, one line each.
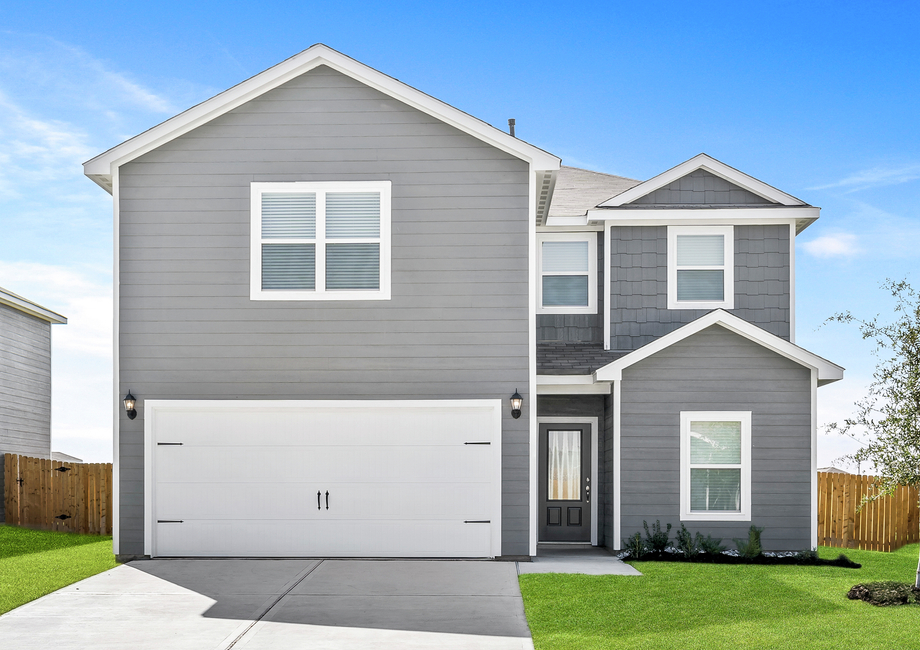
(688,606)
(36,562)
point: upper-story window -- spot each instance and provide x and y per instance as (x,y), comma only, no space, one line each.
(320,241)
(568,273)
(701,267)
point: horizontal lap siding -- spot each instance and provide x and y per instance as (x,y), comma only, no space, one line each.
(639,288)
(776,390)
(455,328)
(25,386)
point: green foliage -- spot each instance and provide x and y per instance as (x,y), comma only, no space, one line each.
(657,540)
(710,545)
(890,413)
(688,545)
(813,555)
(750,548)
(636,547)
(885,593)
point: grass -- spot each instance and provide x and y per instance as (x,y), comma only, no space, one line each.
(36,562)
(697,606)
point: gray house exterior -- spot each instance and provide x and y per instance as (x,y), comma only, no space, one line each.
(329,285)
(25,378)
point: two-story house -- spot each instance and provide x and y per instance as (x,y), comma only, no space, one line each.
(360,322)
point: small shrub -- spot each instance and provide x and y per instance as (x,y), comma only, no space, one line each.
(657,540)
(686,543)
(807,556)
(636,546)
(885,594)
(750,548)
(709,545)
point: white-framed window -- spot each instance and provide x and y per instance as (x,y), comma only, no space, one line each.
(701,269)
(320,241)
(715,465)
(568,273)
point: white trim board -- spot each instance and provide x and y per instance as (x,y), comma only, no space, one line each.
(100,168)
(827,371)
(26,306)
(595,457)
(713,166)
(153,408)
(801,218)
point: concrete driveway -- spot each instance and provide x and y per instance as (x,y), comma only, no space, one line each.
(279,604)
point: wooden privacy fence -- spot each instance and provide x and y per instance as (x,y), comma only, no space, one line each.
(54,495)
(883,525)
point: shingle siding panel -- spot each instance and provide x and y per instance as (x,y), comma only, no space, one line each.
(457,323)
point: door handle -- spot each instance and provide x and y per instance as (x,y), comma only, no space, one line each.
(318,497)
(327,499)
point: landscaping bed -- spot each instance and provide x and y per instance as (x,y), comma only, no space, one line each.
(768,559)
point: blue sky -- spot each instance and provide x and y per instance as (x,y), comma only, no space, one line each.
(819,99)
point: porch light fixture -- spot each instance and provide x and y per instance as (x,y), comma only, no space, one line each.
(130,401)
(516,402)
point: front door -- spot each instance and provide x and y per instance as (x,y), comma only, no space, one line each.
(565,483)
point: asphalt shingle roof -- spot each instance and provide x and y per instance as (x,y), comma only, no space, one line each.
(562,358)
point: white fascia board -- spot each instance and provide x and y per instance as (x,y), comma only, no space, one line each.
(576,220)
(713,166)
(100,168)
(703,216)
(592,227)
(28,307)
(827,371)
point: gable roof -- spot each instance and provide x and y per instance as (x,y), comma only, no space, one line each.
(827,371)
(100,168)
(19,303)
(579,190)
(713,166)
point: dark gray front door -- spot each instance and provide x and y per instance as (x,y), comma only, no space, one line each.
(565,483)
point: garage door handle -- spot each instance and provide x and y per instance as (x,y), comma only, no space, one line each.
(327,499)
(319,495)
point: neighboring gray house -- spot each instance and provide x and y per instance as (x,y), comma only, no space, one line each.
(25,378)
(331,288)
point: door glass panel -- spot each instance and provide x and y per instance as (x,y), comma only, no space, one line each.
(564,470)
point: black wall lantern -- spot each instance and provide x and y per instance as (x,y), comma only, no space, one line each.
(516,402)
(130,401)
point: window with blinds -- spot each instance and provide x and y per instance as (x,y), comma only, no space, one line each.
(700,268)
(715,459)
(568,273)
(320,241)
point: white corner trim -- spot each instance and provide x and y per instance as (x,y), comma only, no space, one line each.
(744,417)
(710,164)
(533,428)
(792,283)
(99,169)
(617,435)
(827,371)
(116,368)
(727,267)
(590,238)
(607,306)
(814,458)
(593,423)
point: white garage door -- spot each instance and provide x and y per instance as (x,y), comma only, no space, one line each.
(329,479)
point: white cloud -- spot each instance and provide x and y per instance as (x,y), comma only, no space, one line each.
(833,245)
(875,177)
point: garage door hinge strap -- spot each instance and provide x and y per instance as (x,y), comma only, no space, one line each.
(170,521)
(477,443)
(169,444)
(477,521)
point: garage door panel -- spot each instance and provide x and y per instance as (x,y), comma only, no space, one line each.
(401,481)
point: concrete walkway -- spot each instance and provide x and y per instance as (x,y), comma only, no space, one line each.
(563,558)
(291,604)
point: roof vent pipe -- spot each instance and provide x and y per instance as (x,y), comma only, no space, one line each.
(511,127)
